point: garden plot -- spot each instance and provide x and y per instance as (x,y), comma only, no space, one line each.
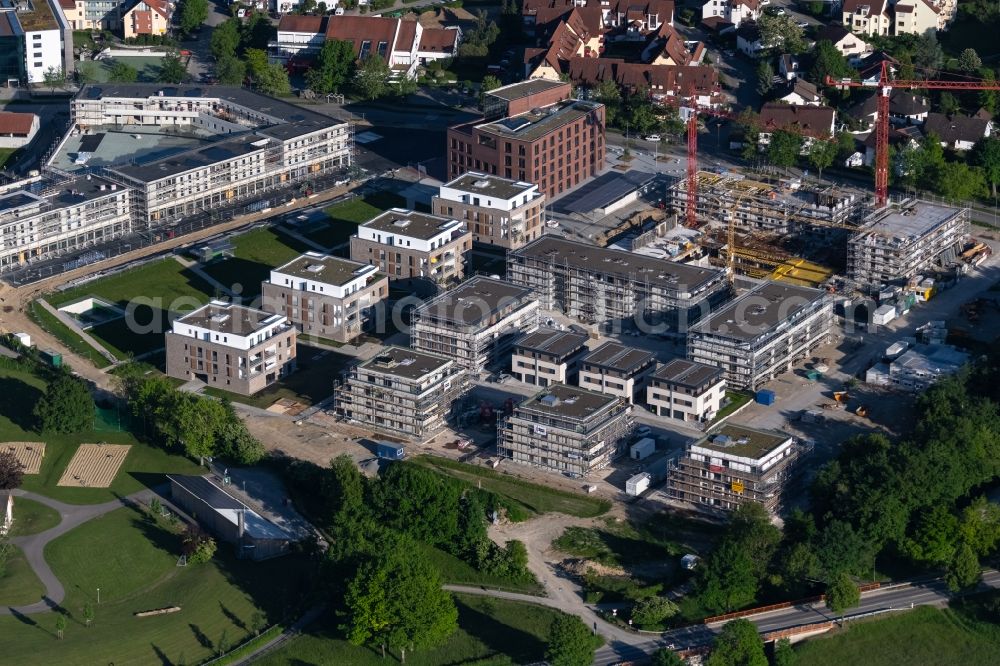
(94,465)
(29,454)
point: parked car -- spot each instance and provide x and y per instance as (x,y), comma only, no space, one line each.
(643,431)
(803,24)
(653,137)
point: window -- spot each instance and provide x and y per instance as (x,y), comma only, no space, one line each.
(366,49)
(383,48)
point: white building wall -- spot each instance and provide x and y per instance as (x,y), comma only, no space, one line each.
(42,50)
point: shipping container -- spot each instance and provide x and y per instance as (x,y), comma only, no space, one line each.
(52,358)
(638,484)
(642,449)
(389,451)
(765,397)
(884,314)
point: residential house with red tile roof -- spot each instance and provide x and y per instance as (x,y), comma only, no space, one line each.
(147,17)
(93,14)
(733,12)
(914,17)
(810,122)
(17,129)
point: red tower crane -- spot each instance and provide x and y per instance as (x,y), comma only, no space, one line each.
(884,87)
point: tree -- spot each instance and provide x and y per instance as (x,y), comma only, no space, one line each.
(666,657)
(781,34)
(88,613)
(765,77)
(60,625)
(728,580)
(11,471)
(969,61)
(307,6)
(54,77)
(842,594)
(420,503)
(122,73)
(66,406)
(334,67)
(395,599)
(607,93)
(986,155)
(192,14)
(489,83)
(935,538)
(372,77)
(653,611)
(949,104)
(784,148)
(957,180)
(964,570)
(979,526)
(927,53)
(197,545)
(570,642)
(828,61)
(784,655)
(738,644)
(226,39)
(86,71)
(841,549)
(846,145)
(172,70)
(821,154)
(230,71)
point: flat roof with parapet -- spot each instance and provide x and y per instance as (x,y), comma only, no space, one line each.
(230,318)
(552,341)
(758,311)
(570,402)
(410,223)
(325,268)
(602,191)
(535,124)
(489,185)
(405,363)
(213,153)
(638,267)
(618,357)
(909,221)
(474,301)
(524,89)
(687,373)
(742,441)
(254,525)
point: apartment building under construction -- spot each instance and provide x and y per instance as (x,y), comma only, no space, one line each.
(566,429)
(762,333)
(402,391)
(903,240)
(610,287)
(734,465)
(756,206)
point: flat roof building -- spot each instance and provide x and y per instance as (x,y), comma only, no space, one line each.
(498,211)
(406,245)
(548,356)
(762,333)
(566,429)
(610,287)
(902,240)
(402,391)
(476,322)
(616,369)
(686,391)
(733,465)
(325,296)
(532,132)
(231,347)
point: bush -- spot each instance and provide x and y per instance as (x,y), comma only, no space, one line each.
(653,611)
(198,546)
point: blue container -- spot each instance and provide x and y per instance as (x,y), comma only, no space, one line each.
(389,451)
(765,397)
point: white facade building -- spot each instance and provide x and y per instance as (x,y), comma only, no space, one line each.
(686,391)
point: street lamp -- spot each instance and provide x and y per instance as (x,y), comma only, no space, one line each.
(98,596)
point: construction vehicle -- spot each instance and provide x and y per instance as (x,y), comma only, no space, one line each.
(841,396)
(861,411)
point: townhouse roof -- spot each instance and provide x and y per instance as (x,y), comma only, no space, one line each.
(18,124)
(803,89)
(531,7)
(406,36)
(405,363)
(489,185)
(572,402)
(410,223)
(360,29)
(684,81)
(814,121)
(690,374)
(324,268)
(833,33)
(553,342)
(159,6)
(667,42)
(67,4)
(586,22)
(758,311)
(875,7)
(956,128)
(437,40)
(230,318)
(619,358)
(300,23)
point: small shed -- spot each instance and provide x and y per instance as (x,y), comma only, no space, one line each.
(642,449)
(884,314)
(23,338)
(765,397)
(638,484)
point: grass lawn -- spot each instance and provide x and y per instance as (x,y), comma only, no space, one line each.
(311,382)
(736,400)
(19,586)
(255,253)
(457,572)
(70,338)
(491,631)
(537,499)
(144,464)
(31,517)
(156,289)
(922,636)
(617,543)
(347,215)
(5,155)
(220,601)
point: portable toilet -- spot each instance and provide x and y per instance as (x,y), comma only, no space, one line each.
(765,397)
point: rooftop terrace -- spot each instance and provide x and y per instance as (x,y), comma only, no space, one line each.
(742,442)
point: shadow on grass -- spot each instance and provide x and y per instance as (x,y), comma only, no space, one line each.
(233,617)
(161,655)
(200,636)
(19,401)
(241,276)
(520,646)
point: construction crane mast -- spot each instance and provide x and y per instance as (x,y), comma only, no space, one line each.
(884,87)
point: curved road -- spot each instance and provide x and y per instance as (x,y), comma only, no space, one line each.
(33,545)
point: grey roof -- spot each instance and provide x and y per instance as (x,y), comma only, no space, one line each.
(568,401)
(213,153)
(741,441)
(618,357)
(535,124)
(956,128)
(602,191)
(409,223)
(230,318)
(324,268)
(758,311)
(489,185)
(474,301)
(691,374)
(405,363)
(255,526)
(524,89)
(909,221)
(605,261)
(553,342)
